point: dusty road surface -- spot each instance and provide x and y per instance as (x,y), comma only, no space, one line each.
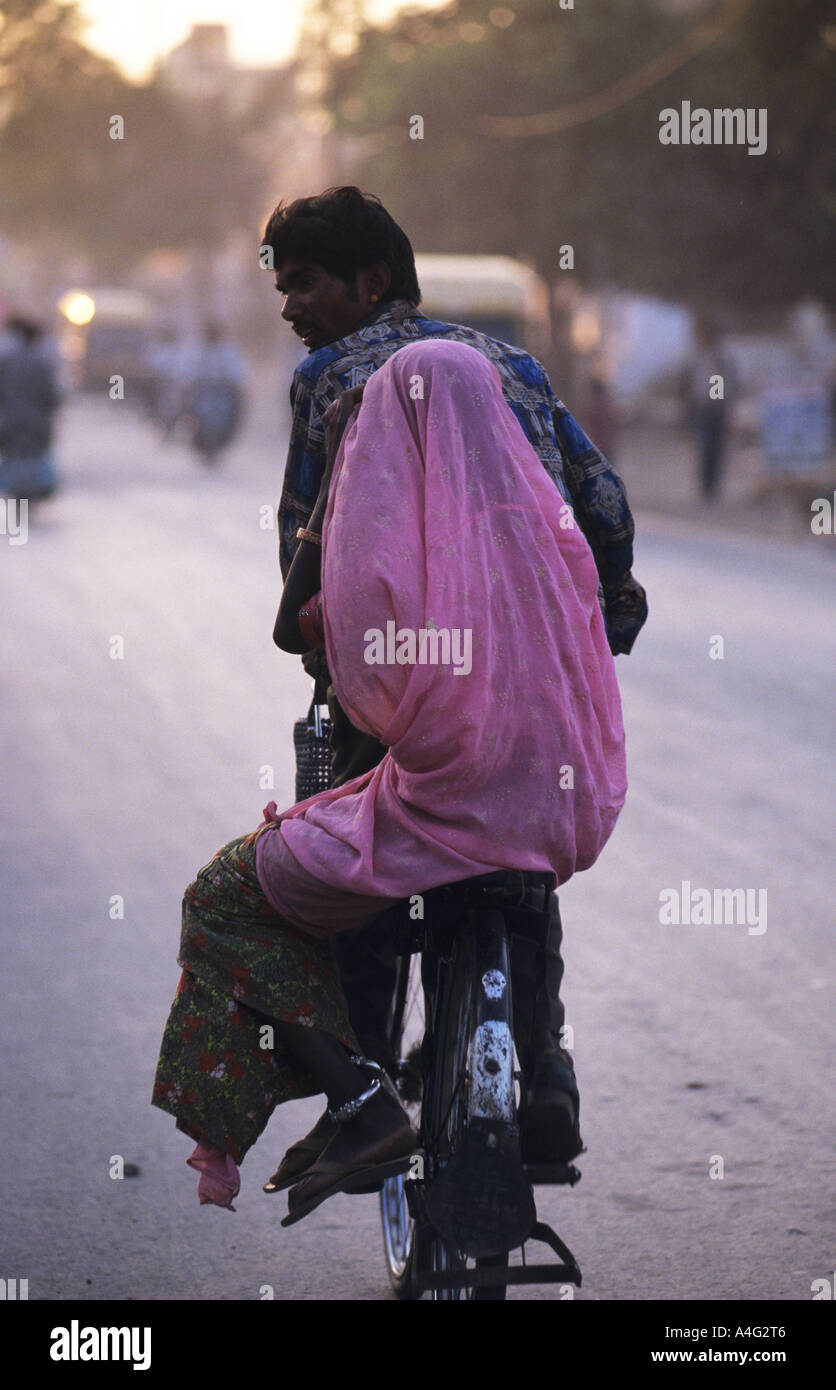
(704,1051)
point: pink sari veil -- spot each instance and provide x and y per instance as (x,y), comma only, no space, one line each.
(441,517)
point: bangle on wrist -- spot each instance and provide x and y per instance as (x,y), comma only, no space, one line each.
(303,534)
(310,623)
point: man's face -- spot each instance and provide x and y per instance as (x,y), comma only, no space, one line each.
(319,306)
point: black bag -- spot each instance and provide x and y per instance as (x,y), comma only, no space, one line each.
(312,740)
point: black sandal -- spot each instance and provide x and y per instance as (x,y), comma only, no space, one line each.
(302,1155)
(344,1177)
(380,1157)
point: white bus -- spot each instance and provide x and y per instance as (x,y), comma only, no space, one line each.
(494,294)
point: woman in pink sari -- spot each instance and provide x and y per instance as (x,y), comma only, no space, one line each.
(462,629)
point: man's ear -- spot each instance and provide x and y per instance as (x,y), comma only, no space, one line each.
(375,280)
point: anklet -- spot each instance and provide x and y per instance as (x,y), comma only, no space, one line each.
(351,1108)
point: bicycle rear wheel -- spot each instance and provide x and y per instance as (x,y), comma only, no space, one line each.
(405,1030)
(446,1106)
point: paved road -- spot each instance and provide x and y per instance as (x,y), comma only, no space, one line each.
(694,1043)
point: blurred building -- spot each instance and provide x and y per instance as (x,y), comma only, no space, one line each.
(201,70)
(284,127)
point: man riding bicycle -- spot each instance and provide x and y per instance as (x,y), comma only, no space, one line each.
(347,274)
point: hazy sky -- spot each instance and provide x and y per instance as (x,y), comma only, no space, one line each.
(135,32)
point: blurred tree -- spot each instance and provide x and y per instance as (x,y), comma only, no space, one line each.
(541,128)
(181,177)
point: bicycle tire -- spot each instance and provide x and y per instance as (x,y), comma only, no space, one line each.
(399,1235)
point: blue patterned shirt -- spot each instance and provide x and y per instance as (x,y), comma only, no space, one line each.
(581,474)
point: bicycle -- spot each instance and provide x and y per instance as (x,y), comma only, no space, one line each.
(450,1223)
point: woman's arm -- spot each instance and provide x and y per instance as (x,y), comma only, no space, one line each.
(304,575)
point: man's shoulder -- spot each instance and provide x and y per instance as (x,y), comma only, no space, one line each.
(507,357)
(351,360)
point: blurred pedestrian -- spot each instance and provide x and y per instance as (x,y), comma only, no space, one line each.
(709,388)
(29,397)
(165,364)
(601,418)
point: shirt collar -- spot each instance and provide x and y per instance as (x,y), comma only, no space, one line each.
(393,311)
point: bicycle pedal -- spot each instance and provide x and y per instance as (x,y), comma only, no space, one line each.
(480,1201)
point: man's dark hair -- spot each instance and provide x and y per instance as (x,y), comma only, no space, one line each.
(344,230)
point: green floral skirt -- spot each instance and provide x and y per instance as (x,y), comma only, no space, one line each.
(223,1068)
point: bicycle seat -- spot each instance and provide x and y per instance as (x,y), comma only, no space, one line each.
(502,888)
(506,882)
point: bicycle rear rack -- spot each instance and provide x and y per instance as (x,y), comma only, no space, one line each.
(470,1224)
(493,1276)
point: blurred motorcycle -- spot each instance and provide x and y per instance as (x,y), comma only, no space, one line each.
(215,395)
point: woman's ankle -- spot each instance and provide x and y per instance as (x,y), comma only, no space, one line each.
(381,1114)
(327,1059)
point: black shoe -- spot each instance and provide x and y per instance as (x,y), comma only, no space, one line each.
(550,1115)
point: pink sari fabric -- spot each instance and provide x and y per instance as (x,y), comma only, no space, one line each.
(440,514)
(220,1180)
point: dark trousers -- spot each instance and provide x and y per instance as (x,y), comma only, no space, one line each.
(367,957)
(710,425)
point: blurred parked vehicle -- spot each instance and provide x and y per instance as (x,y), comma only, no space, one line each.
(494,294)
(105,333)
